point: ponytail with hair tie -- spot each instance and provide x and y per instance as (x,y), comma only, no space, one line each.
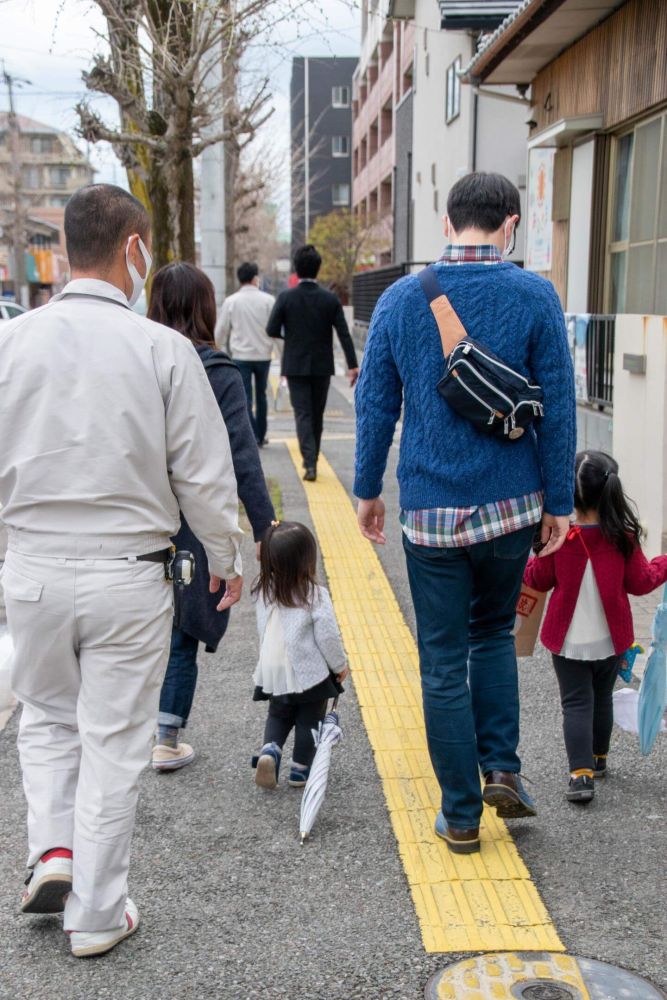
(598,488)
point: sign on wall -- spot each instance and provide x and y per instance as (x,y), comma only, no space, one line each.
(539,235)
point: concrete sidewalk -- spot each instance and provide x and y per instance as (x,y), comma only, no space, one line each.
(234,909)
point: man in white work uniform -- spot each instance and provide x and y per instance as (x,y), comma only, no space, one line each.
(108,426)
(242,326)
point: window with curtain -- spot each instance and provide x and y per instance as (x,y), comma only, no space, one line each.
(637,259)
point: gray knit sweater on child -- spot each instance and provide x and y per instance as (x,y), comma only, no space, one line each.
(312,638)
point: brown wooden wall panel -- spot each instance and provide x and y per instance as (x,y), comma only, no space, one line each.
(618,70)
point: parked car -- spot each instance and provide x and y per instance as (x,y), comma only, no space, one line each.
(10,310)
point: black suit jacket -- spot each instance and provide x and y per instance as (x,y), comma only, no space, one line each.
(305,317)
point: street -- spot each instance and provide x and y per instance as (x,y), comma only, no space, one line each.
(233,908)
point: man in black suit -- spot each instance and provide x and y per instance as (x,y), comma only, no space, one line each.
(304,317)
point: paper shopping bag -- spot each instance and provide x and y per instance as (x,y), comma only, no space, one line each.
(529,611)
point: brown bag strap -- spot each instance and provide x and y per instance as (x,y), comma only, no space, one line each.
(450,327)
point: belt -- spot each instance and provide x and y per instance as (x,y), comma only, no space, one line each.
(163,556)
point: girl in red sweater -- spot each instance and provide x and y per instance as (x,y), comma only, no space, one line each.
(588,624)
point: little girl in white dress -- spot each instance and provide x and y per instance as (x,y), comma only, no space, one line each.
(302,661)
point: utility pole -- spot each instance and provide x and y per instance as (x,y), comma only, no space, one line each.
(212,213)
(19,220)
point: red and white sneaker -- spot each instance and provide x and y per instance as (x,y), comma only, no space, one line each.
(88,943)
(48,883)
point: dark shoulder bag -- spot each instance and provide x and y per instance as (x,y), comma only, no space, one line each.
(495,398)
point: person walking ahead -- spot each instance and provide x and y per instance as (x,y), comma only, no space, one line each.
(108,424)
(242,323)
(305,317)
(469,501)
(588,625)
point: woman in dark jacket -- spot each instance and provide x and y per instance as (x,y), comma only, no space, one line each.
(182,298)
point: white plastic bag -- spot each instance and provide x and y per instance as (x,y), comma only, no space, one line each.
(626,702)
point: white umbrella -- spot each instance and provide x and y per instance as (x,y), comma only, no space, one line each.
(326,737)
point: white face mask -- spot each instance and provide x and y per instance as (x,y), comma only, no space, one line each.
(138,283)
(510,242)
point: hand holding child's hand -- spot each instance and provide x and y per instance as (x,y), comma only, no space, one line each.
(343,675)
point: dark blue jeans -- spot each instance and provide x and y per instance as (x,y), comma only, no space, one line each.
(260,371)
(465,602)
(180,680)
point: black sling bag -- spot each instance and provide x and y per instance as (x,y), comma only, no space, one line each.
(495,398)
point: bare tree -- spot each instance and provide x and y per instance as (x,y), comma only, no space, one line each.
(158,70)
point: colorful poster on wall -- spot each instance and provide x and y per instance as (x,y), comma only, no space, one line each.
(540,197)
(577,329)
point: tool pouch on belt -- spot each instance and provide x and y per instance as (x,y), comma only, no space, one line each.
(477,385)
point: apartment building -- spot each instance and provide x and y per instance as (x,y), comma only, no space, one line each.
(382,87)
(455,130)
(321,139)
(52,168)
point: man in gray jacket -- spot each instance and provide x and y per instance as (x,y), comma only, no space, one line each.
(242,330)
(108,426)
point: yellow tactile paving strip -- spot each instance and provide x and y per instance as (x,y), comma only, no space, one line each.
(479,902)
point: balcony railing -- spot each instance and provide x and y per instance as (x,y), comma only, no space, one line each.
(591,339)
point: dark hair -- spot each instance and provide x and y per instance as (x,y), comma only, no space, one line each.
(98,220)
(307,261)
(482,201)
(246,272)
(597,487)
(183,298)
(288,564)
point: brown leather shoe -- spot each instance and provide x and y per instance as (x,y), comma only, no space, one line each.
(458,841)
(310,475)
(504,791)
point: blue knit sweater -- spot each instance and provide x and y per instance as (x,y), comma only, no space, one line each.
(444,461)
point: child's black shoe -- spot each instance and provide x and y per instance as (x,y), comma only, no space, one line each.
(580,789)
(599,767)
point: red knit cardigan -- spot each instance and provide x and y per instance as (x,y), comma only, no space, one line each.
(615,576)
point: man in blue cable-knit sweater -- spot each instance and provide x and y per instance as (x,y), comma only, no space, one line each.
(470,503)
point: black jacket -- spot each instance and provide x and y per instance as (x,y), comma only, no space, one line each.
(305,316)
(195,611)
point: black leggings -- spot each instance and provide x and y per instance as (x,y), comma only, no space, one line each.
(586,688)
(284,717)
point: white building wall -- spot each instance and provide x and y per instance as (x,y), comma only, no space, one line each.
(501,131)
(640,422)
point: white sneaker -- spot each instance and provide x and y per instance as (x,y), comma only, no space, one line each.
(166,758)
(88,943)
(48,883)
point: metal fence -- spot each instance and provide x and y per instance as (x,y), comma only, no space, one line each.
(368,286)
(600,335)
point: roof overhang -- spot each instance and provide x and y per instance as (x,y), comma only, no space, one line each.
(563,132)
(533,36)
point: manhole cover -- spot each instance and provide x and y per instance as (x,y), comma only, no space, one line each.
(545,991)
(537,976)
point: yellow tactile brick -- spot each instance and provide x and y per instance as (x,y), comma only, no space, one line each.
(479,902)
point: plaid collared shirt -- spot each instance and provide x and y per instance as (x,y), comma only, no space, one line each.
(456,527)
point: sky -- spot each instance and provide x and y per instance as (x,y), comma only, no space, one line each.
(47,44)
